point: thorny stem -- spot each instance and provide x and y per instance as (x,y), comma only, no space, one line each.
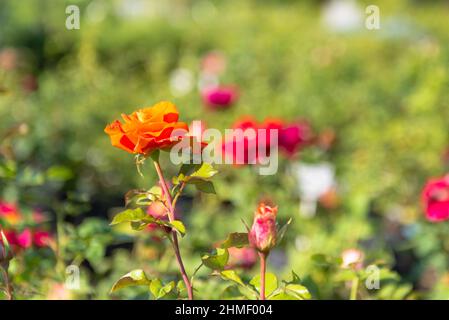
(263,267)
(171,217)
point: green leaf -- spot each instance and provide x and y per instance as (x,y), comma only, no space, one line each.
(206,171)
(133,195)
(217,260)
(232,276)
(282,230)
(158,290)
(191,173)
(155,155)
(298,291)
(282,295)
(133,278)
(180,286)
(187,169)
(142,224)
(271,283)
(246,225)
(345,275)
(402,291)
(232,293)
(322,260)
(59,173)
(156,192)
(178,226)
(295,278)
(130,215)
(155,287)
(204,186)
(293,290)
(236,239)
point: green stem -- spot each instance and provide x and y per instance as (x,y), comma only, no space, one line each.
(8,286)
(171,217)
(60,265)
(354,287)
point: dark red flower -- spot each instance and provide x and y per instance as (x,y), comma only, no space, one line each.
(246,140)
(21,240)
(221,97)
(41,239)
(293,137)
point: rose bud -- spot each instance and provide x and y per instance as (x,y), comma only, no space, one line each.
(263,231)
(435,199)
(352,258)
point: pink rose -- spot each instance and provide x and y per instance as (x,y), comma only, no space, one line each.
(41,239)
(435,199)
(221,97)
(294,137)
(25,239)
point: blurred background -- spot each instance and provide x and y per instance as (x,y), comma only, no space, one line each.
(374,104)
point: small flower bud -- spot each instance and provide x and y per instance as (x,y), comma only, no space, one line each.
(263,232)
(352,258)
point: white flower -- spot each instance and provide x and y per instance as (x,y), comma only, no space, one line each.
(342,15)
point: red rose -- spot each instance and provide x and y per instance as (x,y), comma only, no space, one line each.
(41,238)
(293,137)
(219,97)
(435,199)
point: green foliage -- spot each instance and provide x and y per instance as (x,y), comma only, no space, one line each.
(133,278)
(217,260)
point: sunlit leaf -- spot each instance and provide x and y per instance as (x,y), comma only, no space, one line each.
(232,276)
(271,283)
(282,230)
(178,226)
(298,291)
(206,171)
(159,290)
(133,278)
(130,215)
(236,239)
(216,260)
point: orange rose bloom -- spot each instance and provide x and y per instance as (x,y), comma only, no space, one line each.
(147,129)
